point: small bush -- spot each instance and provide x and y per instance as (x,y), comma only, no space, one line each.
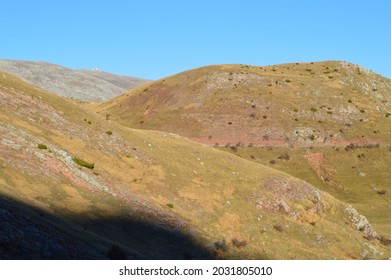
(313,109)
(170,205)
(234,148)
(350,100)
(382,192)
(385,241)
(109,132)
(362,111)
(83,163)
(42,147)
(284,157)
(220,245)
(279,227)
(238,243)
(388,114)
(272,161)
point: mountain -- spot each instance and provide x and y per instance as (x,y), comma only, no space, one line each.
(87,85)
(297,104)
(76,184)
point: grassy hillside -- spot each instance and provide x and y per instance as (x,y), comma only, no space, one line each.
(155,194)
(298,104)
(327,123)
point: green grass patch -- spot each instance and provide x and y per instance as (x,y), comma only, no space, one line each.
(42,146)
(83,163)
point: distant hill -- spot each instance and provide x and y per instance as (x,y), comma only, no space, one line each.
(87,85)
(297,104)
(74,184)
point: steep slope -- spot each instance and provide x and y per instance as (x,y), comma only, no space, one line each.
(298,104)
(155,194)
(89,85)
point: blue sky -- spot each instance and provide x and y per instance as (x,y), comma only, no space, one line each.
(153,39)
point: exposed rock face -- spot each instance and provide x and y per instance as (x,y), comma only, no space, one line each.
(88,85)
(361,223)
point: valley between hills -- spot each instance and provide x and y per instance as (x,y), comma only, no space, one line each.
(221,162)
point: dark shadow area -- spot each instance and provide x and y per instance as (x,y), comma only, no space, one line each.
(27,232)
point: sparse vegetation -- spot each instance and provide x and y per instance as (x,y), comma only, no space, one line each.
(238,243)
(284,157)
(42,146)
(382,192)
(83,163)
(279,228)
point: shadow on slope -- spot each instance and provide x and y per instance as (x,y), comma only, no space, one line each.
(27,232)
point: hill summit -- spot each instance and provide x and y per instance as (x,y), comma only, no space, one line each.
(297,104)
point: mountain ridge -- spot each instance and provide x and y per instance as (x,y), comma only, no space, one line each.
(86,85)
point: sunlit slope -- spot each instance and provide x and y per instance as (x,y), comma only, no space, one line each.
(227,206)
(298,104)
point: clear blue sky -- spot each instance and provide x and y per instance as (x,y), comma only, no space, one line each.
(153,39)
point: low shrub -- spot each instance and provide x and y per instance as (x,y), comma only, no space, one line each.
(42,147)
(382,192)
(83,163)
(238,243)
(284,157)
(279,227)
